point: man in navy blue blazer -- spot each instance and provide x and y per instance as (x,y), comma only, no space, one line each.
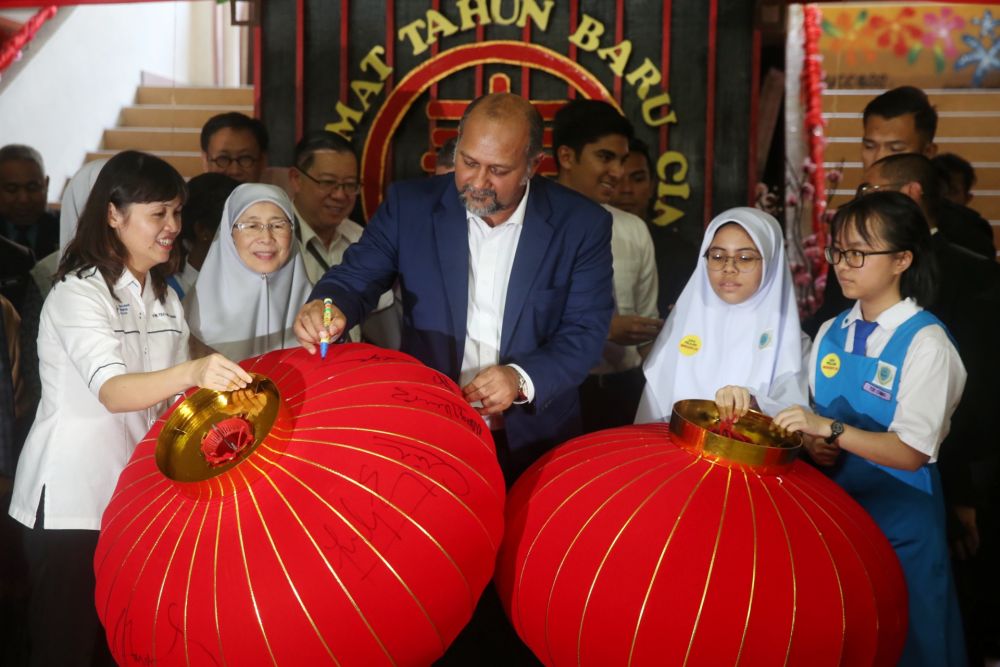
(506,280)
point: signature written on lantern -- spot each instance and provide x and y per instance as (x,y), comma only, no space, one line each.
(449,408)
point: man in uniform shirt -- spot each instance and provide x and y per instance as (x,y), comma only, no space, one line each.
(591,142)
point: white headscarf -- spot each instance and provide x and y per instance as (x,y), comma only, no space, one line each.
(707,343)
(235,310)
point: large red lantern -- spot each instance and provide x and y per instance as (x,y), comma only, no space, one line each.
(657,545)
(344,511)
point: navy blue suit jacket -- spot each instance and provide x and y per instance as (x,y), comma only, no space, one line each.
(559,298)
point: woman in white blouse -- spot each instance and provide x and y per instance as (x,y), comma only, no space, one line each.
(113,351)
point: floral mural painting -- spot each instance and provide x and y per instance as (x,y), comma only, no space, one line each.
(901,34)
(922,39)
(985,58)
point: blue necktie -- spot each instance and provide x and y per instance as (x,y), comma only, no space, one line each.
(862,330)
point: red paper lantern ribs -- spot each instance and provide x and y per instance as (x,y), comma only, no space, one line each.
(345,511)
(657,545)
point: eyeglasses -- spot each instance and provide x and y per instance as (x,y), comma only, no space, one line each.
(868,188)
(223,161)
(854,258)
(744,263)
(280,228)
(348,187)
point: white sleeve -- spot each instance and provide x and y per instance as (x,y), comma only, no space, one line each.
(930,386)
(647,281)
(78,316)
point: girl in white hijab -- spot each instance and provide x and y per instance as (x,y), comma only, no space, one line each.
(734,334)
(253,281)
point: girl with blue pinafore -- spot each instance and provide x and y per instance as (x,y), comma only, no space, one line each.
(886,378)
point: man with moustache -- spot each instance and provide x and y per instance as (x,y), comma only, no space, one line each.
(507,288)
(506,280)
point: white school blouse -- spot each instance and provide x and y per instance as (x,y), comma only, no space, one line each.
(930,383)
(76,448)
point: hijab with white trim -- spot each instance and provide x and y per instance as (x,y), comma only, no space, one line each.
(706,343)
(234,309)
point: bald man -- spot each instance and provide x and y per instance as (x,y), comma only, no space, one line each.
(507,280)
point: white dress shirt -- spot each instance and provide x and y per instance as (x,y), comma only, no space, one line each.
(491,259)
(635,284)
(931,382)
(76,448)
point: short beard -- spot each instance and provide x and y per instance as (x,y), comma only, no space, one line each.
(491,206)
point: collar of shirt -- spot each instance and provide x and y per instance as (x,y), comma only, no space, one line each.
(890,318)
(516,218)
(345,232)
(142,291)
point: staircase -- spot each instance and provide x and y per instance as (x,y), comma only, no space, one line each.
(167,121)
(968,125)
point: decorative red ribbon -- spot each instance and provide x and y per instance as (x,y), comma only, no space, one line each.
(11,49)
(812,90)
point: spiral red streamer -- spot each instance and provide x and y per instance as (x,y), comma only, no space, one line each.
(812,90)
(11,49)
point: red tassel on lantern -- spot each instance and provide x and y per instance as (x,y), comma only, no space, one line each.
(359,528)
(636,546)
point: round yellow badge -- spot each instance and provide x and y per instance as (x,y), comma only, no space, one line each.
(830,365)
(689,345)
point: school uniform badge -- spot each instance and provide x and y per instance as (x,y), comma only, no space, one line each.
(689,345)
(885,375)
(765,340)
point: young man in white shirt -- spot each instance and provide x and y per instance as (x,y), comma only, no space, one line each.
(591,142)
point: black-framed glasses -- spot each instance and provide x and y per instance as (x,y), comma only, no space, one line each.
(868,188)
(329,186)
(223,161)
(743,262)
(854,258)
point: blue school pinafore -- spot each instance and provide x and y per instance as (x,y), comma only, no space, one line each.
(907,506)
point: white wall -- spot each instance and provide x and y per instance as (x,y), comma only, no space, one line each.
(73,85)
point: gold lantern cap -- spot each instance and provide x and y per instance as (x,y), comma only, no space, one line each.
(179,453)
(768,452)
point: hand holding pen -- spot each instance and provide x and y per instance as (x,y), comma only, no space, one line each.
(310,328)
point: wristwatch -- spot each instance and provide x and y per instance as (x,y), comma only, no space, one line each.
(836,429)
(522,388)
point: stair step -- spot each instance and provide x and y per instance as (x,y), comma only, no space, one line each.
(229,97)
(965,124)
(188,163)
(179,116)
(973,149)
(942,100)
(152,139)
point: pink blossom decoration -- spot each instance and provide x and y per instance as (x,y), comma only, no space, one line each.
(939,29)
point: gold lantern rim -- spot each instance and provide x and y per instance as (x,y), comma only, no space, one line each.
(178,446)
(768,452)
